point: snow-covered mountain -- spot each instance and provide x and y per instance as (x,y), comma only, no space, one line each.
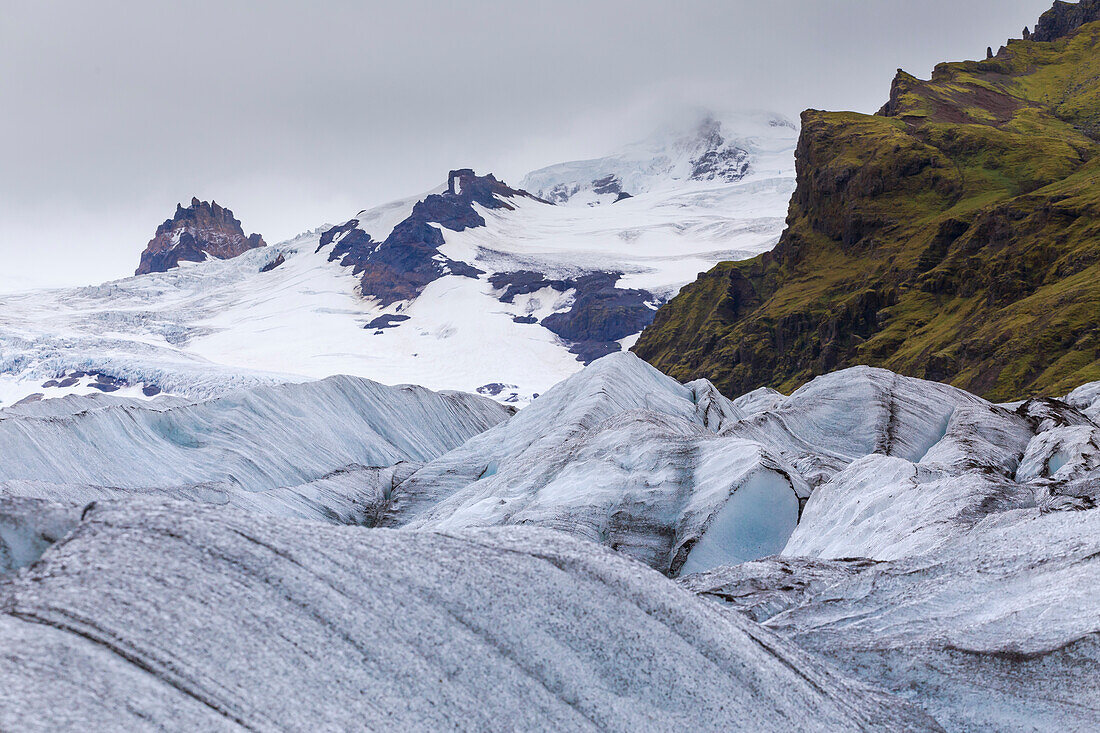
(870,552)
(713,149)
(474,286)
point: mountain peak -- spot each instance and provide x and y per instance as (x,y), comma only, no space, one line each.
(707,147)
(202,229)
(407,258)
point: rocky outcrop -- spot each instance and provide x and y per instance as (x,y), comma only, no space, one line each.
(408,260)
(600,315)
(1065,18)
(953,237)
(204,229)
(718,160)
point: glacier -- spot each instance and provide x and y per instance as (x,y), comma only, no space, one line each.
(313,449)
(174,614)
(201,526)
(871,551)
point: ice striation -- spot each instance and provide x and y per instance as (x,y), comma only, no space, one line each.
(328,449)
(997,629)
(154,614)
(623,455)
(916,537)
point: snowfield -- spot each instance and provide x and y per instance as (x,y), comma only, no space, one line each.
(205,329)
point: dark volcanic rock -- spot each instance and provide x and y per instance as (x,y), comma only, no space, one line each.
(601,313)
(103,382)
(273,264)
(386,321)
(608,184)
(193,233)
(720,162)
(401,266)
(494,389)
(524,282)
(1064,18)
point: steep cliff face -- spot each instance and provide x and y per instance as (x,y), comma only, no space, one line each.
(1064,18)
(953,236)
(203,228)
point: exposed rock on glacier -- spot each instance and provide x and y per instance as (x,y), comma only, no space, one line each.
(154,614)
(255,440)
(402,264)
(623,455)
(202,229)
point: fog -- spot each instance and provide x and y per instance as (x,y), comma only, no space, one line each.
(295,115)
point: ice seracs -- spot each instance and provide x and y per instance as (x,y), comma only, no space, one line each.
(916,537)
(619,454)
(324,449)
(996,629)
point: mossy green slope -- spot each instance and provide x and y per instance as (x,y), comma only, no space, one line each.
(954,236)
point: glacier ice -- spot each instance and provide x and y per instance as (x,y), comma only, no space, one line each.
(312,449)
(28,527)
(156,613)
(619,454)
(915,536)
(996,629)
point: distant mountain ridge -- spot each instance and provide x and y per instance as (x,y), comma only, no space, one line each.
(955,236)
(475,285)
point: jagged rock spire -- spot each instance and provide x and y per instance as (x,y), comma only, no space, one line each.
(202,229)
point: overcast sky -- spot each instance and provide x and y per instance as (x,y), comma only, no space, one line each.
(294,114)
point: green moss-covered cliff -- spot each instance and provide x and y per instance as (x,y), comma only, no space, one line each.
(953,236)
